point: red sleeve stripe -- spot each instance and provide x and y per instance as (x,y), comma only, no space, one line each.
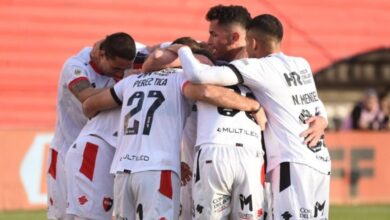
(184,85)
(79,79)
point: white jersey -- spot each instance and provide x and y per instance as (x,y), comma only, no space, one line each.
(285,87)
(70,117)
(104,125)
(151,122)
(217,125)
(189,137)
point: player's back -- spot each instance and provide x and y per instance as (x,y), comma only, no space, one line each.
(152,121)
(285,86)
(217,125)
(104,125)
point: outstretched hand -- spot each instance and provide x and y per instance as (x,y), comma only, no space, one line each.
(316,130)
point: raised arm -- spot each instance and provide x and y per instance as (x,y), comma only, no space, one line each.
(160,59)
(220,96)
(205,74)
(103,100)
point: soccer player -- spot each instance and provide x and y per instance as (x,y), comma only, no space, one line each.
(229,157)
(87,164)
(219,130)
(298,161)
(147,161)
(82,75)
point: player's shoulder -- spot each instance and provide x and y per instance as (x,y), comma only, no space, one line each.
(168,72)
(81,59)
(296,59)
(141,48)
(243,61)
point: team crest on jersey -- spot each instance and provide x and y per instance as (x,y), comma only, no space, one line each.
(77,72)
(107,203)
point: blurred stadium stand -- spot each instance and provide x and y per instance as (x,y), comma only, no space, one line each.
(352,76)
(37,36)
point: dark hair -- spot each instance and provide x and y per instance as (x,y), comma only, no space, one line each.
(119,45)
(229,15)
(196,47)
(267,24)
(189,41)
(204,52)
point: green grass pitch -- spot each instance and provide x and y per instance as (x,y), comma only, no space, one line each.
(372,212)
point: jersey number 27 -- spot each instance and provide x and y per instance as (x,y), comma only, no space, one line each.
(139,98)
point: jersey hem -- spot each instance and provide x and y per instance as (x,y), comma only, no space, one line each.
(274,165)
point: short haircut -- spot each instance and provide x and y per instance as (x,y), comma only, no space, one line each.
(227,15)
(189,41)
(268,25)
(196,47)
(204,52)
(119,45)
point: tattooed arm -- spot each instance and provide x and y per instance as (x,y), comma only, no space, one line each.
(83,89)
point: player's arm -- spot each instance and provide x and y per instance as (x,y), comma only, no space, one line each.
(82,89)
(260,118)
(160,59)
(205,74)
(220,96)
(103,100)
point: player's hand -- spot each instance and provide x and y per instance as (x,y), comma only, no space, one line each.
(316,130)
(174,48)
(186,174)
(260,118)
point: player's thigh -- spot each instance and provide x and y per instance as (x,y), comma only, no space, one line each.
(157,194)
(124,206)
(248,190)
(147,195)
(186,201)
(212,181)
(299,191)
(56,185)
(90,184)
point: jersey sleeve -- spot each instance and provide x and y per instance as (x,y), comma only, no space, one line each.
(321,110)
(74,73)
(205,74)
(182,81)
(118,90)
(249,71)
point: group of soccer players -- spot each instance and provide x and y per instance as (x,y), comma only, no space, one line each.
(185,136)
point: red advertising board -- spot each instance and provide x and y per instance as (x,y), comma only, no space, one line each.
(360,168)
